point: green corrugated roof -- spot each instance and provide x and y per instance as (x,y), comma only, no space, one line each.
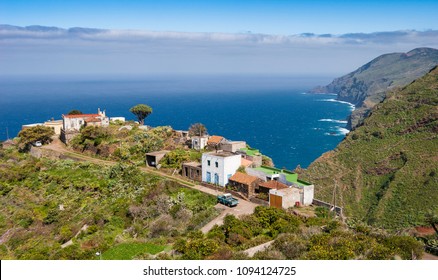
(290,176)
(251,152)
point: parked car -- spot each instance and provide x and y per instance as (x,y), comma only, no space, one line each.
(37,144)
(227,199)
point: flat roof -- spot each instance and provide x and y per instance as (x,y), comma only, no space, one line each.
(53,122)
(32,124)
(251,152)
(290,176)
(192,164)
(157,153)
(221,154)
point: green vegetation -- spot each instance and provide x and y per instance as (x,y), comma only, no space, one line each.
(75,112)
(294,238)
(175,158)
(30,135)
(386,170)
(197,129)
(141,111)
(367,86)
(128,251)
(117,142)
(46,203)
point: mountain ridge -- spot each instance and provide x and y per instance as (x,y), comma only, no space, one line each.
(386,171)
(367,86)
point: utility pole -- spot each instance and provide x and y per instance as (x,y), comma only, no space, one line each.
(334,196)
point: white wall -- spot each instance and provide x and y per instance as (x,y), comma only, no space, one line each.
(227,166)
(308,194)
(199,143)
(73,124)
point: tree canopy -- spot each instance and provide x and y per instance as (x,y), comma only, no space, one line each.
(141,111)
(75,112)
(33,134)
(197,129)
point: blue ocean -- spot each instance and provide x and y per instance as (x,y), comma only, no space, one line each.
(271,113)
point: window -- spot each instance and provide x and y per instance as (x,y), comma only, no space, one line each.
(216,164)
(208,162)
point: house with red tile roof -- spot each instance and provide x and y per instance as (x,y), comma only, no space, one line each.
(71,124)
(244,183)
(214,142)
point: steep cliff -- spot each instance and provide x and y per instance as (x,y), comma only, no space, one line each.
(386,170)
(367,86)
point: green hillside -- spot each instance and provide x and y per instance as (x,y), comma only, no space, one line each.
(367,86)
(61,209)
(386,171)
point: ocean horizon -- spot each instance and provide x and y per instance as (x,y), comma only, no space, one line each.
(274,114)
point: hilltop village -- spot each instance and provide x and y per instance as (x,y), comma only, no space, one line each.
(231,165)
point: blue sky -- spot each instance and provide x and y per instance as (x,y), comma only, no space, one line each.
(270,17)
(209,37)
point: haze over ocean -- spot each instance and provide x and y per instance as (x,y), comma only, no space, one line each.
(271,113)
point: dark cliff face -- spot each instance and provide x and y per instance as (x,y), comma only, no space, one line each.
(367,86)
(386,170)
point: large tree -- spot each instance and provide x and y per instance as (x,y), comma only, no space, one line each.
(30,135)
(141,111)
(197,129)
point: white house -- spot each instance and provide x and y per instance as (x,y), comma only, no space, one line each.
(199,143)
(71,124)
(218,167)
(299,191)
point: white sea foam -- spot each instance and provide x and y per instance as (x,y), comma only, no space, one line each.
(343,131)
(332,120)
(339,131)
(352,107)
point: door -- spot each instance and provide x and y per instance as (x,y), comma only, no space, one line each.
(275,201)
(208,177)
(216,179)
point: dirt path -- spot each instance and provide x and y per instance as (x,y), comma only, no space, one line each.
(427,256)
(243,208)
(251,251)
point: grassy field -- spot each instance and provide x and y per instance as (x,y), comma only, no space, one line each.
(128,251)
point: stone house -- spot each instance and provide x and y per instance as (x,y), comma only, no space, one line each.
(214,142)
(244,183)
(192,171)
(232,146)
(153,158)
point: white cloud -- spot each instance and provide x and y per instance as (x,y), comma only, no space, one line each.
(99,51)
